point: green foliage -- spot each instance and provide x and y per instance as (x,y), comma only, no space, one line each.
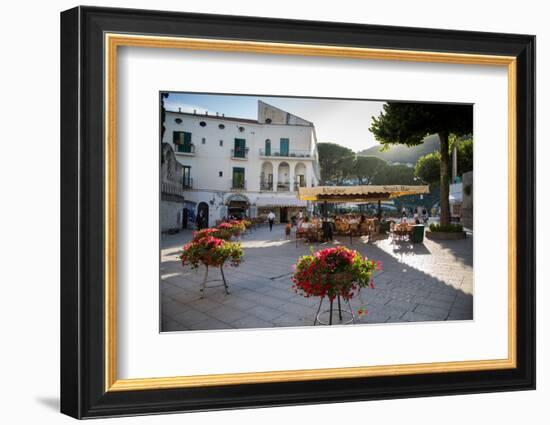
(333,272)
(335,161)
(369,169)
(409,123)
(427,168)
(396,174)
(465,152)
(450,228)
(211,251)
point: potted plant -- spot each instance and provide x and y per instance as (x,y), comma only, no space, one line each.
(333,273)
(211,252)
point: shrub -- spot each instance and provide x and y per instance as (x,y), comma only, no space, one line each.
(446,228)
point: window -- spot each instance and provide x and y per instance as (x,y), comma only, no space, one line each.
(284,147)
(178,120)
(203,140)
(187,176)
(268,120)
(238,178)
(221,126)
(220,173)
(239,150)
(202,124)
(182,141)
(268,147)
(221,142)
(241,129)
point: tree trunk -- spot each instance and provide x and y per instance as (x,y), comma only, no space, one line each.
(445,216)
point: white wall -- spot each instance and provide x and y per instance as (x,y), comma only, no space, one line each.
(210,158)
(29,315)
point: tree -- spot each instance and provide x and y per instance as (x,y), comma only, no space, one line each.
(396,174)
(465,152)
(335,161)
(409,123)
(368,168)
(427,168)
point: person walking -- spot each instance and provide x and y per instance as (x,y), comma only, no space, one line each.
(271,220)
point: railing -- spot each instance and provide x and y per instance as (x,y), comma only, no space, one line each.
(298,185)
(172,188)
(237,184)
(266,185)
(239,153)
(188,149)
(283,187)
(289,154)
(188,183)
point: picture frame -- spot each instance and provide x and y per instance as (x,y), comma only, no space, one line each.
(90,39)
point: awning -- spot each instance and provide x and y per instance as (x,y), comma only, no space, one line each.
(277,201)
(358,193)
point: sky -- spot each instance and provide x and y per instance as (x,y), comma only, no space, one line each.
(345,122)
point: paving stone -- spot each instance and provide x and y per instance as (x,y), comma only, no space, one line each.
(427,275)
(434,312)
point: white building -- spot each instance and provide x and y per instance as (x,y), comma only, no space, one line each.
(240,166)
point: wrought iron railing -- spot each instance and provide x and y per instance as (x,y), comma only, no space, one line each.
(289,154)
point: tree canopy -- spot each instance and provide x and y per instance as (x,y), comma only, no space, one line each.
(427,168)
(368,169)
(409,123)
(336,162)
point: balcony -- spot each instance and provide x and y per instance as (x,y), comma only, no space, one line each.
(241,153)
(298,154)
(187,183)
(237,184)
(298,185)
(266,185)
(185,149)
(283,187)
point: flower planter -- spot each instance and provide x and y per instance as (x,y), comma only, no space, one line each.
(209,251)
(445,236)
(333,273)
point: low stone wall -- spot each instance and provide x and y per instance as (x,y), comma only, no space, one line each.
(170,215)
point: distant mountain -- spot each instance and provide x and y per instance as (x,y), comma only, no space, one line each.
(402,153)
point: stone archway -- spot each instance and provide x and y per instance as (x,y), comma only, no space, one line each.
(237,205)
(283,177)
(266,177)
(300,175)
(202,216)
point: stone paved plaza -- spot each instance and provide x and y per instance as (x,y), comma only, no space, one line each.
(432,281)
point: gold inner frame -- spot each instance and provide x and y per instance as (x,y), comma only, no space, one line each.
(113,41)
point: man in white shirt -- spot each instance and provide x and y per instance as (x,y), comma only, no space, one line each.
(271,220)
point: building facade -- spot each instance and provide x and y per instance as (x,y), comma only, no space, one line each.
(235,166)
(172,198)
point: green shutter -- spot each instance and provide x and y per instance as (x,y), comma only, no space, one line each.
(239,148)
(284,148)
(238,177)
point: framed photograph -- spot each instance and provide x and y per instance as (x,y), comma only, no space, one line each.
(261,212)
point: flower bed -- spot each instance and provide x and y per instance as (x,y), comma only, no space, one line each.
(333,272)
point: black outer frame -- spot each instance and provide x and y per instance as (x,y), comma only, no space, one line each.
(82,203)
